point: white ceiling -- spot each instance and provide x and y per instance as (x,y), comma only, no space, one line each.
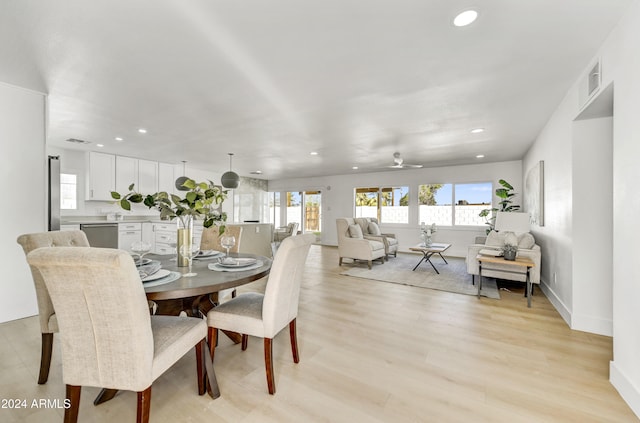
(271,81)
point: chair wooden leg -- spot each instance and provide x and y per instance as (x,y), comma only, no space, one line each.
(73,397)
(144,406)
(45,357)
(234,293)
(268,363)
(294,341)
(370,262)
(200,350)
(245,342)
(340,262)
(213,340)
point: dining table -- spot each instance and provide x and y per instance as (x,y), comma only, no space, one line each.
(175,294)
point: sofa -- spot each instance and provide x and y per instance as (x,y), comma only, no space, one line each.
(353,244)
(371,230)
(494,242)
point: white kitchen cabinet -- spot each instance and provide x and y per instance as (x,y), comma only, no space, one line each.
(70,227)
(128,233)
(101,176)
(165,238)
(126,174)
(147,177)
(166,178)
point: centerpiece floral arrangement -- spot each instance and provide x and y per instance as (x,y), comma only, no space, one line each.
(426,232)
(201,200)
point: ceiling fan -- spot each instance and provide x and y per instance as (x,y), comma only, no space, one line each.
(398,163)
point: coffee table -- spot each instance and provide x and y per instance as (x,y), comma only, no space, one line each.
(427,252)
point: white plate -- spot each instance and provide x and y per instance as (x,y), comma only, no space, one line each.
(218,268)
(208,253)
(239,262)
(144,261)
(159,274)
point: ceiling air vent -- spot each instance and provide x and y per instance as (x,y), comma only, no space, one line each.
(77,141)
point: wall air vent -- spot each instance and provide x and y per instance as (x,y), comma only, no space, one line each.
(77,141)
(590,84)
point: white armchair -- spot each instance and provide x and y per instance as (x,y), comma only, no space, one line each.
(352,244)
(371,230)
(285,231)
(507,222)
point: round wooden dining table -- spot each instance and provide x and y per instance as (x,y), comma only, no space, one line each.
(196,295)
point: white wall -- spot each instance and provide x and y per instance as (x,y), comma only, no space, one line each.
(338,198)
(22,170)
(620,59)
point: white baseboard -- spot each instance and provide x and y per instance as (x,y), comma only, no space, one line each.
(625,388)
(592,324)
(564,311)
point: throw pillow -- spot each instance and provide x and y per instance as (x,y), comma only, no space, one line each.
(355,231)
(495,239)
(526,241)
(374,229)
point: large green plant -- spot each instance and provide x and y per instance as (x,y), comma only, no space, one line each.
(202,200)
(506,194)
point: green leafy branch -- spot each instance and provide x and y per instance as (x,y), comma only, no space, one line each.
(202,200)
(505,204)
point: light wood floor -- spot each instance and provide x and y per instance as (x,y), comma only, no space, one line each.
(370,352)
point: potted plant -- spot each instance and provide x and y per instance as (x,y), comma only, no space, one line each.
(510,251)
(505,193)
(201,200)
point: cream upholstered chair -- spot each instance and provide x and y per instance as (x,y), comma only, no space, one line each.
(108,337)
(47,315)
(211,238)
(371,230)
(352,244)
(286,231)
(266,315)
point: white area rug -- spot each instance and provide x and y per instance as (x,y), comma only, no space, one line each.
(453,277)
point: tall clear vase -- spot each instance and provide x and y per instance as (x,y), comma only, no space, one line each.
(184,237)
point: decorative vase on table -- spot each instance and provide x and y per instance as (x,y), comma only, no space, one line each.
(184,237)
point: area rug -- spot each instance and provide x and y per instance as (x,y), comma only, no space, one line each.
(453,276)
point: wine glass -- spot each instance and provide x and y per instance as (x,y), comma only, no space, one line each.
(227,241)
(140,248)
(189,252)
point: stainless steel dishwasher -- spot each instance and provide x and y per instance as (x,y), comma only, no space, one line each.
(104,235)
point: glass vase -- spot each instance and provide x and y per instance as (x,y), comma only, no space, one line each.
(184,237)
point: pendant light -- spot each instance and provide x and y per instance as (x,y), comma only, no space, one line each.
(230,179)
(182,179)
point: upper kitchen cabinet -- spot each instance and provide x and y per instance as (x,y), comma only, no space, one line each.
(101,176)
(147,177)
(142,173)
(166,178)
(126,174)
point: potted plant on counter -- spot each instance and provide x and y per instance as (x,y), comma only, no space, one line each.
(201,200)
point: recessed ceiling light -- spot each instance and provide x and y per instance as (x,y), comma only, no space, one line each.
(465,18)
(119,139)
(256,172)
(100,145)
(477,130)
(480,156)
(142,131)
(314,153)
(355,168)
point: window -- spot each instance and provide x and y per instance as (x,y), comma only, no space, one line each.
(454,204)
(274,208)
(294,208)
(68,191)
(388,205)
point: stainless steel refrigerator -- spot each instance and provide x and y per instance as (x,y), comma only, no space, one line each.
(53,199)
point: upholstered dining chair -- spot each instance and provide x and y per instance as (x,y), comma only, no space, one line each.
(211,241)
(47,315)
(211,238)
(108,337)
(266,315)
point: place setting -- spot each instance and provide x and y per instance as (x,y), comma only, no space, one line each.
(233,264)
(150,271)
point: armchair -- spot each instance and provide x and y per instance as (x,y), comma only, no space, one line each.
(285,231)
(371,230)
(352,244)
